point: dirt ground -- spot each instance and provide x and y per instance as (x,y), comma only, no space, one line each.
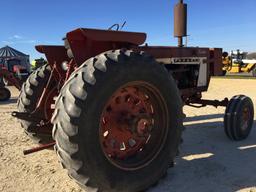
(208,160)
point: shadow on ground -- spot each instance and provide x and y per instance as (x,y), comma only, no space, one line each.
(210,162)
(203,117)
(10,101)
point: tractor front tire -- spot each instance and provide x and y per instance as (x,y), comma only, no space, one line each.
(5,94)
(118,122)
(239,117)
(30,93)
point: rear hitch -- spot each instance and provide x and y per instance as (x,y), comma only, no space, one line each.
(39,148)
(40,125)
(26,116)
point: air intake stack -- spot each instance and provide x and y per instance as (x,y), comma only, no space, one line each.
(180,22)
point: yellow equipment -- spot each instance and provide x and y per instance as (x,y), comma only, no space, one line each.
(237,63)
(38,63)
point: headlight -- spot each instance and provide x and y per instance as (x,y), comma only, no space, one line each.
(64,65)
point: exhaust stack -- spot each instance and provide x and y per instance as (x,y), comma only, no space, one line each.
(180,22)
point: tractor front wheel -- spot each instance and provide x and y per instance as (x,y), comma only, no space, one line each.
(118,122)
(239,117)
(5,94)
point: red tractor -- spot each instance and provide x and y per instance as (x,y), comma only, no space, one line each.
(113,106)
(19,71)
(11,73)
(10,77)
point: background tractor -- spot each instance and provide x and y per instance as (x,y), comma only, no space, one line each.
(15,62)
(8,77)
(239,62)
(19,71)
(11,73)
(112,107)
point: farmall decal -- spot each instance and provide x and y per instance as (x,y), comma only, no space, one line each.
(188,60)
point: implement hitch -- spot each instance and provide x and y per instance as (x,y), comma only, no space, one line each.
(26,116)
(42,127)
(205,102)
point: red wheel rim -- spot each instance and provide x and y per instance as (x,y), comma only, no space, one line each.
(245,118)
(133,125)
(49,103)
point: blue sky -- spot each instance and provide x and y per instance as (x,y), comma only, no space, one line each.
(230,24)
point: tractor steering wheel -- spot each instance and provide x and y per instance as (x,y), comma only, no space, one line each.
(115,25)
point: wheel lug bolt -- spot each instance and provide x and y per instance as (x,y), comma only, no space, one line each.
(132,142)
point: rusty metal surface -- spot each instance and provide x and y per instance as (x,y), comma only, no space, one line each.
(215,61)
(55,55)
(39,148)
(87,43)
(125,126)
(128,125)
(180,22)
(134,38)
(169,52)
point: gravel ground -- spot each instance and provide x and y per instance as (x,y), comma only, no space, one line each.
(208,160)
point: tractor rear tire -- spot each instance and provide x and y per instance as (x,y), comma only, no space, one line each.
(239,117)
(5,94)
(83,148)
(30,93)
